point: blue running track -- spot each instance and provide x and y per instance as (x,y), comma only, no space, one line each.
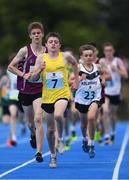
(110,162)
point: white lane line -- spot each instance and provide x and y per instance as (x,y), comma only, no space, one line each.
(22,165)
(121,155)
(30,161)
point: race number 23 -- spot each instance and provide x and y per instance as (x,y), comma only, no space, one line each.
(89,95)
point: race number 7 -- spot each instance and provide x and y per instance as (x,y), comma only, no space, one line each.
(55,82)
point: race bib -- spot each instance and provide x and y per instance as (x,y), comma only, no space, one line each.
(54,80)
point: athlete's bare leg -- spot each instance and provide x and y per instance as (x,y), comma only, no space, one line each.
(38,116)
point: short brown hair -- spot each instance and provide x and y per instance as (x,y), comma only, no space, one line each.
(86,47)
(107,44)
(35,25)
(53,34)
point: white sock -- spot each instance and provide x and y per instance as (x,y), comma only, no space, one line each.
(14,137)
(85,138)
(67,138)
(60,139)
(91,142)
(72,128)
(106,136)
(53,155)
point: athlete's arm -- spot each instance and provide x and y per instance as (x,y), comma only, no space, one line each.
(4,81)
(106,71)
(21,55)
(69,58)
(38,68)
(121,69)
(102,74)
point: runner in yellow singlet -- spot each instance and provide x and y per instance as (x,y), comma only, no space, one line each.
(55,80)
(56,92)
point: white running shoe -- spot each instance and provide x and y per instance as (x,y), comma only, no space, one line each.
(53,163)
(60,147)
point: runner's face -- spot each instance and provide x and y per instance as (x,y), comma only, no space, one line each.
(53,44)
(87,56)
(108,51)
(36,35)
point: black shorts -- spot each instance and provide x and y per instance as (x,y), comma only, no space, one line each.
(114,100)
(5,110)
(20,107)
(17,103)
(84,108)
(13,102)
(49,108)
(81,107)
(27,99)
(102,101)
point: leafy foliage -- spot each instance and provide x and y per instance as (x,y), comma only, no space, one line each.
(78,22)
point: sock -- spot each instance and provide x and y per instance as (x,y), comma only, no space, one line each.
(72,128)
(106,136)
(85,138)
(67,138)
(91,142)
(14,137)
(60,139)
(53,155)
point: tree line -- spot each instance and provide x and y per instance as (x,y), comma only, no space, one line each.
(78,22)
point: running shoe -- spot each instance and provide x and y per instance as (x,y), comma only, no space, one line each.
(112,138)
(11,143)
(39,157)
(85,146)
(74,136)
(91,151)
(107,141)
(97,136)
(53,163)
(67,144)
(33,141)
(60,147)
(100,142)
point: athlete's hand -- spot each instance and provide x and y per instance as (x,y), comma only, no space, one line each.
(27,75)
(42,65)
(114,68)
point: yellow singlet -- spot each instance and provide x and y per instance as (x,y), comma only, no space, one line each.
(55,80)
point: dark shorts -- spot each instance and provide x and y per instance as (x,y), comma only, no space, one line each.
(5,110)
(84,108)
(13,102)
(27,99)
(20,107)
(102,101)
(17,103)
(114,100)
(49,108)
(67,109)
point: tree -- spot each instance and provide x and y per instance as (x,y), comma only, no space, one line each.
(78,22)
